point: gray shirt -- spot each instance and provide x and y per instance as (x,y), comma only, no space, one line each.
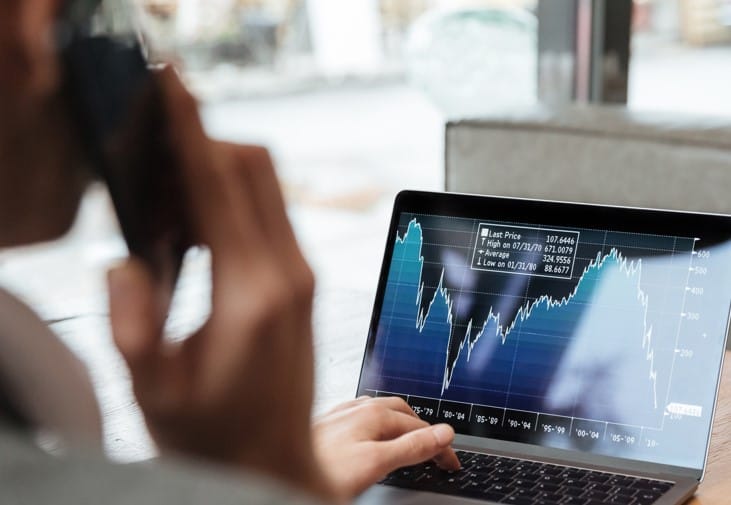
(30,476)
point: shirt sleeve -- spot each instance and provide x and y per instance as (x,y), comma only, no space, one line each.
(31,476)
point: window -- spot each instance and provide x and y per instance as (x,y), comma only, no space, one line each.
(352,96)
(681,56)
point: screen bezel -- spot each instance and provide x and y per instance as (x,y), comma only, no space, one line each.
(716,228)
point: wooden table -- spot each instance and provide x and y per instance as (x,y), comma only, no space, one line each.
(716,486)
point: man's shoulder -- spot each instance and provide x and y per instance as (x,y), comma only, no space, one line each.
(29,475)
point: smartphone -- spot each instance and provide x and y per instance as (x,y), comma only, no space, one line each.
(116,104)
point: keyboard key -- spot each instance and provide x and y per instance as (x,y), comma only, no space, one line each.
(652,485)
(551,470)
(603,488)
(595,495)
(527,476)
(571,491)
(620,500)
(501,481)
(626,493)
(554,479)
(472,485)
(500,488)
(517,500)
(502,470)
(465,476)
(647,497)
(599,478)
(548,487)
(527,493)
(521,467)
(491,496)
(450,482)
(550,497)
(621,481)
(575,483)
(575,500)
(524,484)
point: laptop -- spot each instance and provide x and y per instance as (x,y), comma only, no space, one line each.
(576,349)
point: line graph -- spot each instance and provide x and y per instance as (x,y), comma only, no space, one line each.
(509,356)
(590,337)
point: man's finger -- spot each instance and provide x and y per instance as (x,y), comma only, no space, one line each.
(136,313)
(392,424)
(397,404)
(397,424)
(447,459)
(202,167)
(349,404)
(256,171)
(391,402)
(416,447)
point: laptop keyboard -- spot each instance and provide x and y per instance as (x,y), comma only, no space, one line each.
(521,482)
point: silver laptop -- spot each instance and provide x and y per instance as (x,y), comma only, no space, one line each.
(576,349)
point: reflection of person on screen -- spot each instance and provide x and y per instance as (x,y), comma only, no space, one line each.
(619,366)
(609,360)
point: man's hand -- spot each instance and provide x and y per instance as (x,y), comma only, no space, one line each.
(360,442)
(239,390)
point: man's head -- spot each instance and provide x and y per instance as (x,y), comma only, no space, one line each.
(41,176)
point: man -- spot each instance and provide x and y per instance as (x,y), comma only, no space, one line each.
(201,399)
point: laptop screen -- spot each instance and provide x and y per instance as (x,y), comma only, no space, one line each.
(568,326)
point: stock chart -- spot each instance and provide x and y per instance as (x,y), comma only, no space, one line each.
(568,337)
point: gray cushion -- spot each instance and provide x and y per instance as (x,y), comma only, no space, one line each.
(594,154)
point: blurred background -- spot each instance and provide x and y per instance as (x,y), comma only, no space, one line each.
(352,95)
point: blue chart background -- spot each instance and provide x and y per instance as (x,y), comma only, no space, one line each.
(512,341)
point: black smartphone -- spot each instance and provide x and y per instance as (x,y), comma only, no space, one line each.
(115,101)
